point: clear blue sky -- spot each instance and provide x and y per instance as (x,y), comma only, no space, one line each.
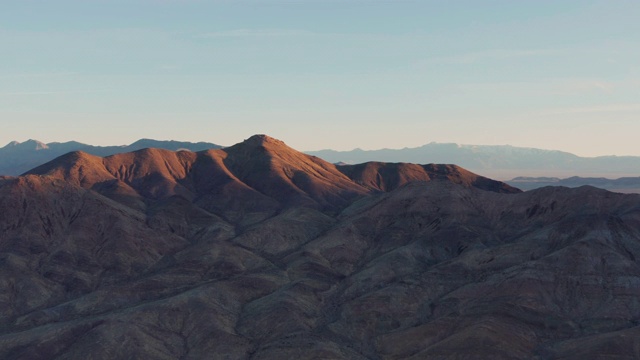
(324,73)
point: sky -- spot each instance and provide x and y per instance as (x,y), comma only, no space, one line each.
(318,74)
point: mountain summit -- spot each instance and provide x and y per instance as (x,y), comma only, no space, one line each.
(263,140)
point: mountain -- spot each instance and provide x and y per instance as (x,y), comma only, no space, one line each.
(259,176)
(624,185)
(503,161)
(258,251)
(16,158)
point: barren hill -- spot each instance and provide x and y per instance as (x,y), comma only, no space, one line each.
(257,251)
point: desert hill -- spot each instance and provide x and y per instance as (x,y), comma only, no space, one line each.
(258,251)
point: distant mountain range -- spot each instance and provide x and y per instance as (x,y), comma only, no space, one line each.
(624,185)
(19,157)
(500,162)
(258,251)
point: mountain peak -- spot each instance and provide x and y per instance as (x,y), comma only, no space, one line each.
(27,145)
(35,144)
(263,140)
(273,168)
(263,144)
(66,162)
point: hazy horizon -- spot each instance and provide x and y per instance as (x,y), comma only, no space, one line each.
(324,74)
(303,150)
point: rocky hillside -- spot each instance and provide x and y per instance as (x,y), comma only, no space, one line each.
(258,251)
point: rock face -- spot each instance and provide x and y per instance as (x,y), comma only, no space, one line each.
(260,252)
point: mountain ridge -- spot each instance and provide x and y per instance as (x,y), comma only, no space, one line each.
(496,161)
(259,165)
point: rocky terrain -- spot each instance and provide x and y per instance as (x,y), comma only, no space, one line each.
(257,251)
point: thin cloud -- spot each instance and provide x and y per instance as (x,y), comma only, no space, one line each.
(545,87)
(37,75)
(35,93)
(612,108)
(496,54)
(167,67)
(243,33)
(579,86)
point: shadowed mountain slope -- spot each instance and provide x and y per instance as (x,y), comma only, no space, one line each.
(388,176)
(228,254)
